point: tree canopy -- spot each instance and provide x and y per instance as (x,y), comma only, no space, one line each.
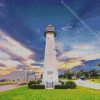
(99,64)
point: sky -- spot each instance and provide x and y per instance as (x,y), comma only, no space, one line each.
(22,40)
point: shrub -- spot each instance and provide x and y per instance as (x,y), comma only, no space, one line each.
(61,82)
(39,81)
(98,77)
(70,84)
(60,87)
(31,82)
(93,77)
(37,86)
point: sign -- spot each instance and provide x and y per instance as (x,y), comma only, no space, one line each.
(50,72)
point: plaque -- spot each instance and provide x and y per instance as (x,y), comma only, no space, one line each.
(50,72)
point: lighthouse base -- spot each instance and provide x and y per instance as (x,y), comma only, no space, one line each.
(50,85)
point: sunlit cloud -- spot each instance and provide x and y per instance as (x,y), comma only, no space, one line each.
(70,64)
(29,61)
(10,63)
(6,71)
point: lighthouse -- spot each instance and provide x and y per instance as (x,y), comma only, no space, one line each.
(50,73)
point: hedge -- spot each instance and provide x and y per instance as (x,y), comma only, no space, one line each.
(61,82)
(31,82)
(39,81)
(37,86)
(60,87)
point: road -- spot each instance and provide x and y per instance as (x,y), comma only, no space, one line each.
(86,84)
(8,87)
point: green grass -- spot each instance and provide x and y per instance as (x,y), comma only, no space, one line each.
(67,79)
(63,79)
(23,93)
(7,83)
(94,80)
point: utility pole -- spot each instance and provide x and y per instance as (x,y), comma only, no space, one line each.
(27,75)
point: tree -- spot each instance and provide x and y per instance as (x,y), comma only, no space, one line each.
(94,73)
(80,74)
(61,75)
(99,64)
(68,73)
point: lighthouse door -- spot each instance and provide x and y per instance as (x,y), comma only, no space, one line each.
(50,79)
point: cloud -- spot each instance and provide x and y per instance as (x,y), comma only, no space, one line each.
(35,64)
(84,46)
(38,57)
(71,54)
(59,46)
(12,54)
(4,56)
(92,56)
(70,64)
(24,67)
(66,27)
(2,65)
(13,46)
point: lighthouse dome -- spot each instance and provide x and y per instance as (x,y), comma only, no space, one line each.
(50,28)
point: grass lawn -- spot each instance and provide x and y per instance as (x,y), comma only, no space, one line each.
(23,93)
(94,80)
(7,83)
(67,79)
(63,79)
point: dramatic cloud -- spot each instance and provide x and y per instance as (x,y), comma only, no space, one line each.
(15,47)
(70,64)
(13,54)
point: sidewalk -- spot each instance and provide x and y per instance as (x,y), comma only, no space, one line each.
(8,87)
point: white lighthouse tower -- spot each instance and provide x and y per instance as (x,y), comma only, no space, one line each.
(50,73)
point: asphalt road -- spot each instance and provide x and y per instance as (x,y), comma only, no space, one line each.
(8,87)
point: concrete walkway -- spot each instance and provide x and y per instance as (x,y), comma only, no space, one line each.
(8,87)
(86,84)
